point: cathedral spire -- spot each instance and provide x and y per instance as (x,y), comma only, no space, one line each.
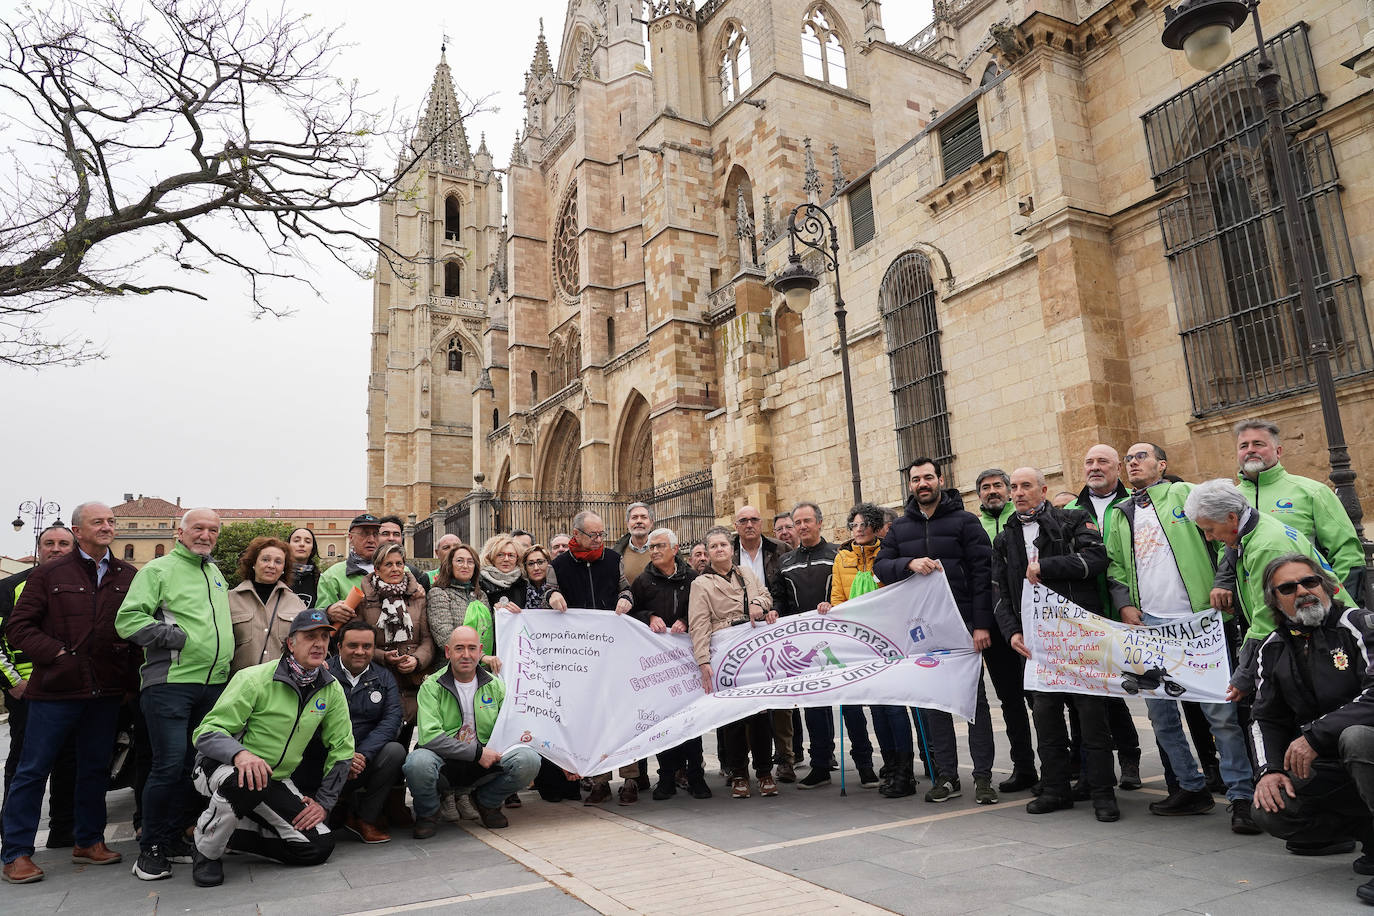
(541,65)
(441,125)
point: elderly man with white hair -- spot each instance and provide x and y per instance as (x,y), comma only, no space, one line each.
(177,610)
(1252,540)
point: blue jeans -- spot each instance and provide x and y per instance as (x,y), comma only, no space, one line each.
(1236,770)
(170,802)
(892,728)
(423,768)
(51,723)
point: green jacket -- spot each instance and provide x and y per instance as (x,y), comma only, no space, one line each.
(177,609)
(1194,556)
(440,716)
(480,618)
(15,664)
(335,584)
(1311,507)
(1266,539)
(263,712)
(993,524)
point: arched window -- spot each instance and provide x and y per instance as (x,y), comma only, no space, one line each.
(332,551)
(159,550)
(534,387)
(452,225)
(495,418)
(736,74)
(455,355)
(610,337)
(128,551)
(791,337)
(822,50)
(912,326)
(453,279)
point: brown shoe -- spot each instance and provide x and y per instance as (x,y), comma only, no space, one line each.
(368,833)
(600,792)
(739,787)
(22,871)
(425,827)
(629,793)
(96,854)
(786,773)
(767,786)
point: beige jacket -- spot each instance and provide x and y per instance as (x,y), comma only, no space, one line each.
(717,602)
(260,630)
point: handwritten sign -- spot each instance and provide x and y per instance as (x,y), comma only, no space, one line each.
(1076,651)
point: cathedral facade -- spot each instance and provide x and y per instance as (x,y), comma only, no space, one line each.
(1052,233)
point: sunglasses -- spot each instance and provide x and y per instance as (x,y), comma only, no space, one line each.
(1309,583)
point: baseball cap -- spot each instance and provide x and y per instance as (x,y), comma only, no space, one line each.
(365,520)
(314,619)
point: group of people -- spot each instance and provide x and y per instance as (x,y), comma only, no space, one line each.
(302,701)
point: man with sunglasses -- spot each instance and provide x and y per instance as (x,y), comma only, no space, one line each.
(1313,717)
(1161,569)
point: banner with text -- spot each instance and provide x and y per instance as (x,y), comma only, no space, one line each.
(592,691)
(1076,651)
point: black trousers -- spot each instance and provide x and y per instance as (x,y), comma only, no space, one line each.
(257,821)
(1334,802)
(62,780)
(1006,668)
(686,756)
(1057,765)
(752,735)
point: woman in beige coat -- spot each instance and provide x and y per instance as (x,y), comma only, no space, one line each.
(722,596)
(262,605)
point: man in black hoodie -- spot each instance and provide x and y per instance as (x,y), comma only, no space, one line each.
(936,533)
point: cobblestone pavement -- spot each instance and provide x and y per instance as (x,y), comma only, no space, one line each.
(800,852)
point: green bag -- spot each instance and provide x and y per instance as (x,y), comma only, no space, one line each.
(864,583)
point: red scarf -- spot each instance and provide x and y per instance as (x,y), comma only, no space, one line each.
(585,555)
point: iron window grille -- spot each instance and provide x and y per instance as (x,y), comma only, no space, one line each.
(1234,281)
(912,326)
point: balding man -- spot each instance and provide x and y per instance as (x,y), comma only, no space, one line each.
(458,709)
(65,622)
(442,549)
(178,612)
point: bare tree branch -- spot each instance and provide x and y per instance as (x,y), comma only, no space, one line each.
(138,133)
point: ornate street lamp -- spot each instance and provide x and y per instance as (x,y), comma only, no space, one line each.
(810,225)
(1202,30)
(37,510)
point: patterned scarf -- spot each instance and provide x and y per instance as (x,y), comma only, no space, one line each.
(499,580)
(299,675)
(394,618)
(1034,514)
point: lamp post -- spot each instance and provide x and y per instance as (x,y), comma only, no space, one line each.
(811,225)
(1202,30)
(38,510)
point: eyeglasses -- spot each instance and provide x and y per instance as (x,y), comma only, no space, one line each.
(537,561)
(592,535)
(1138,456)
(859,526)
(748,521)
(1309,583)
(660,547)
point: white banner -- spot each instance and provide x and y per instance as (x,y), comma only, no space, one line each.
(1076,651)
(592,691)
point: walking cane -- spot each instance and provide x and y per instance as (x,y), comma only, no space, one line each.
(921,736)
(840,759)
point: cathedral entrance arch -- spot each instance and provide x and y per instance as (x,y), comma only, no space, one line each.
(635,447)
(561,470)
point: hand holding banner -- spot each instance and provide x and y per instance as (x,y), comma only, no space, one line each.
(1076,651)
(592,691)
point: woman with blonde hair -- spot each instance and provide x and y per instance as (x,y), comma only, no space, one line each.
(500,577)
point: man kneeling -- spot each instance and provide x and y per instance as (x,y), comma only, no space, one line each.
(458,707)
(1313,717)
(270,712)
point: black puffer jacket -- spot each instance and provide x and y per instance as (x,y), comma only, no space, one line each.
(662,596)
(803,580)
(1071,558)
(1315,682)
(954,537)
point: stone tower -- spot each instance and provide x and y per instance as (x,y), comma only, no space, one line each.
(429,312)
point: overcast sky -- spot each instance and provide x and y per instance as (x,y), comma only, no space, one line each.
(200,400)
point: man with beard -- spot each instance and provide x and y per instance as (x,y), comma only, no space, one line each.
(633,546)
(1313,716)
(1005,666)
(1299,502)
(934,534)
